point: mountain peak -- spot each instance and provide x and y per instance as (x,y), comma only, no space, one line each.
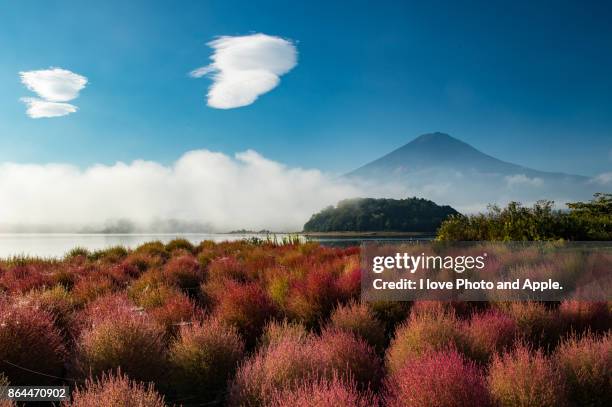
(438,150)
(436,139)
(435,136)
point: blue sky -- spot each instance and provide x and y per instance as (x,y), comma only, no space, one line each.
(529,83)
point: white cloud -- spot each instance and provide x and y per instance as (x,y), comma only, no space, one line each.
(602,179)
(245,67)
(522,179)
(54,86)
(38,108)
(202,187)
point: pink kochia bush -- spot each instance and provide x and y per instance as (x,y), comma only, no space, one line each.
(183,272)
(586,365)
(118,336)
(287,364)
(525,378)
(350,356)
(437,378)
(423,333)
(359,319)
(245,306)
(177,310)
(489,333)
(29,343)
(115,390)
(325,393)
(283,365)
(203,357)
(579,316)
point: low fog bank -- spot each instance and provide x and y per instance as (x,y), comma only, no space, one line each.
(204,191)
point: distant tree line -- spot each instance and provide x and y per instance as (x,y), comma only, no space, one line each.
(375,215)
(580,222)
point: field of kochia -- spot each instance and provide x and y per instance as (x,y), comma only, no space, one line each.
(266,324)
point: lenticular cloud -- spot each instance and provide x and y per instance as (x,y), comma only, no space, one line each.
(245,67)
(54,86)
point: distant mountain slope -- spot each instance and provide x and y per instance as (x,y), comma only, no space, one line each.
(446,170)
(439,150)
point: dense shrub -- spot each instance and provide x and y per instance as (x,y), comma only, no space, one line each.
(489,333)
(283,365)
(226,268)
(91,287)
(125,339)
(156,250)
(31,348)
(580,316)
(60,304)
(5,382)
(348,356)
(203,357)
(584,221)
(423,333)
(390,313)
(539,326)
(25,275)
(359,319)
(525,378)
(247,307)
(292,362)
(115,390)
(179,244)
(437,378)
(109,255)
(276,331)
(183,272)
(325,393)
(312,298)
(105,307)
(283,326)
(586,365)
(177,310)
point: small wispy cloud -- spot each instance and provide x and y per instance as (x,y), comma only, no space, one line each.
(603,179)
(245,67)
(54,87)
(523,180)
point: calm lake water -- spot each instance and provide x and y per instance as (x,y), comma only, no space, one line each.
(58,244)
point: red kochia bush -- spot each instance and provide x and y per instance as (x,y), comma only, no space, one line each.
(348,356)
(203,358)
(127,339)
(525,378)
(489,333)
(247,307)
(177,309)
(580,316)
(115,390)
(59,303)
(283,365)
(29,343)
(24,277)
(291,362)
(276,331)
(586,365)
(437,378)
(359,319)
(312,298)
(537,325)
(422,333)
(325,393)
(183,272)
